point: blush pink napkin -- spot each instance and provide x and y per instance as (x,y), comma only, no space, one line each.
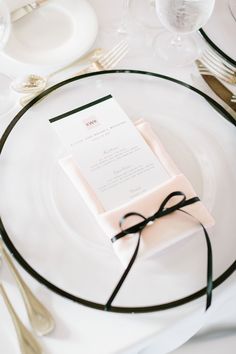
(163,232)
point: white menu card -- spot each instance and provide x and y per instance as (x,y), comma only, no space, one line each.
(110,152)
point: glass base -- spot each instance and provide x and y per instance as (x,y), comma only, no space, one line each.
(175,49)
(6,94)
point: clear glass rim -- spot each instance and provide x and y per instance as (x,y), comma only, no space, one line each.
(7,21)
(215,47)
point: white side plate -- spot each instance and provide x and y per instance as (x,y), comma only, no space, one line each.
(56,34)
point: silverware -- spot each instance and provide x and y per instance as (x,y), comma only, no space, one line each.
(40,318)
(105,61)
(34,83)
(216,86)
(218,66)
(28,344)
(233,98)
(26,9)
(108,60)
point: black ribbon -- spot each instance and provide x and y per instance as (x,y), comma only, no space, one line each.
(139,227)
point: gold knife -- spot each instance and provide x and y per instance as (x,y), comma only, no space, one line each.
(219,89)
(25,10)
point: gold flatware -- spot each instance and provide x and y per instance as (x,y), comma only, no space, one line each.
(106,61)
(40,318)
(218,66)
(28,343)
(35,83)
(26,9)
(220,90)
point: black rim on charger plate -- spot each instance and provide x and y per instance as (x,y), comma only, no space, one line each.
(119,309)
(216,48)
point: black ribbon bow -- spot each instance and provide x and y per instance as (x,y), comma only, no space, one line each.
(139,227)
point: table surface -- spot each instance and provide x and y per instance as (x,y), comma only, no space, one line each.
(115,333)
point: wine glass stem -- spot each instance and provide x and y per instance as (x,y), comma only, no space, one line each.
(177,40)
(124,17)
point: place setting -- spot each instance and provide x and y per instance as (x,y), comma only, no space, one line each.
(120,177)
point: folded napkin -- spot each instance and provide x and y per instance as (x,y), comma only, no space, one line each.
(162,232)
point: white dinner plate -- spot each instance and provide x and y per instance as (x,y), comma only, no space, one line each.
(56,34)
(51,229)
(220,30)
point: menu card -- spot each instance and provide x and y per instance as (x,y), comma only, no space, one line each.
(111,154)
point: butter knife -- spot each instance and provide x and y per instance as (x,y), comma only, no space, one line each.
(220,90)
(25,10)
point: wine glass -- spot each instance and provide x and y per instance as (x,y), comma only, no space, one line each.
(137,13)
(143,12)
(6,99)
(180,18)
(123,23)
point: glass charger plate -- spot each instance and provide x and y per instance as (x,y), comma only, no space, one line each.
(53,235)
(220,31)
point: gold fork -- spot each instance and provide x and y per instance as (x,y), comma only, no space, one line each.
(28,343)
(106,61)
(40,318)
(233,99)
(213,63)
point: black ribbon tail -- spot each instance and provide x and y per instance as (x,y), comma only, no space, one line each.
(209,269)
(124,275)
(209,287)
